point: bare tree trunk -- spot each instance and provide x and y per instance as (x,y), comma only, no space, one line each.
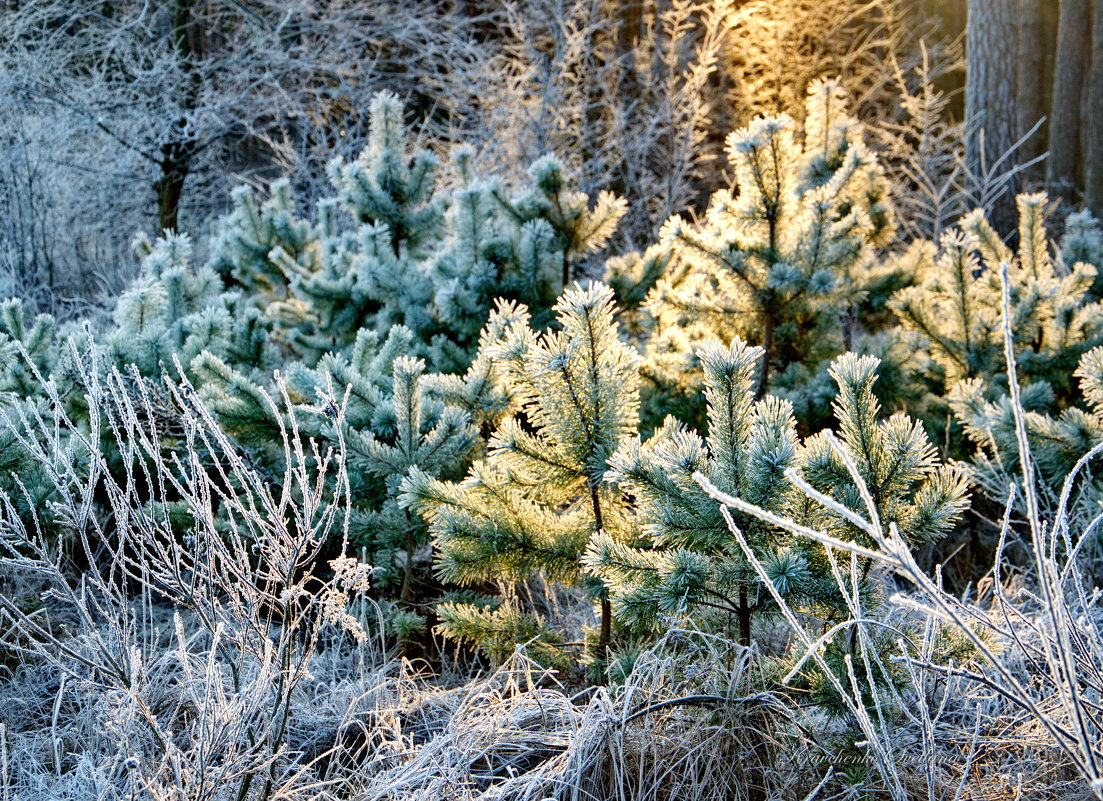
(990,38)
(170,185)
(177,153)
(1073,41)
(1030,91)
(1093,119)
(629,17)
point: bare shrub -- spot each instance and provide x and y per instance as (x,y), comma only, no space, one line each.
(185,611)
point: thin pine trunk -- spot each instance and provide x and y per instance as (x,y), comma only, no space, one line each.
(606,635)
(1093,119)
(1073,42)
(990,39)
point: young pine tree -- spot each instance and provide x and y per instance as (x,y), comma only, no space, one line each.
(957,305)
(779,255)
(1058,438)
(692,560)
(427,434)
(539,496)
(399,246)
(32,350)
(322,282)
(26,346)
(394,419)
(693,564)
(524,247)
(397,420)
(173,310)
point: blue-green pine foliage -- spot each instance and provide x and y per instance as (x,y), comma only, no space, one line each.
(398,245)
(533,504)
(691,564)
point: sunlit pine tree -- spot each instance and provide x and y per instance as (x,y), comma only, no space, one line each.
(537,499)
(779,255)
(957,305)
(693,564)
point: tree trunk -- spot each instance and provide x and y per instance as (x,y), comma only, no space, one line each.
(606,635)
(180,148)
(767,353)
(744,618)
(1030,92)
(170,186)
(629,17)
(1073,41)
(990,38)
(1093,119)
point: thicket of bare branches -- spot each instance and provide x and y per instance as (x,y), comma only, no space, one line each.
(142,116)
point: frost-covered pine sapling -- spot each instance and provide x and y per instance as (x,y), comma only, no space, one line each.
(1082,242)
(692,560)
(534,503)
(1057,440)
(477,390)
(386,185)
(576,228)
(392,420)
(26,345)
(409,251)
(249,237)
(32,351)
(908,486)
(324,283)
(427,434)
(695,562)
(775,255)
(523,246)
(957,305)
(173,310)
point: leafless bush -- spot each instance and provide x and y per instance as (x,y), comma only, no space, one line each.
(777,49)
(136,116)
(189,610)
(620,92)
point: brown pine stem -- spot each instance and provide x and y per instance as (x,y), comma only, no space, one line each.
(744,618)
(767,353)
(606,635)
